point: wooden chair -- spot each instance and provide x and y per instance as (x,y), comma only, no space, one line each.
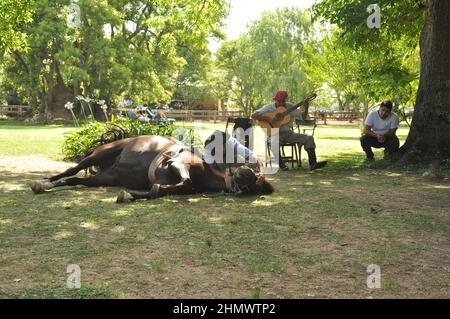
(291,153)
(292,157)
(307,127)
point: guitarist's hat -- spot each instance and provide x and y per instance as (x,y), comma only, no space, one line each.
(280,96)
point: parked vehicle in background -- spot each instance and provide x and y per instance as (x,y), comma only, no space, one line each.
(178,104)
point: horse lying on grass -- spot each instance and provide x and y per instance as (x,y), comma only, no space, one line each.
(155,166)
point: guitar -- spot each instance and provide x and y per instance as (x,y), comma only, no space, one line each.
(282,115)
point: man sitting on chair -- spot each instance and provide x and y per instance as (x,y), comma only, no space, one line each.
(379,131)
(286,135)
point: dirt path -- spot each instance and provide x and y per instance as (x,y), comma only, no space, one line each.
(33,164)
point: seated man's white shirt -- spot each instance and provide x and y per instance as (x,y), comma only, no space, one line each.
(381,126)
(233,148)
(272,107)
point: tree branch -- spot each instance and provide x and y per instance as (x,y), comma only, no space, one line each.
(19,58)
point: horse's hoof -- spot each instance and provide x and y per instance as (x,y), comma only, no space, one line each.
(154,191)
(123,197)
(38,187)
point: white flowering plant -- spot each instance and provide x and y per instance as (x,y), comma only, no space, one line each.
(104,107)
(88,100)
(69,106)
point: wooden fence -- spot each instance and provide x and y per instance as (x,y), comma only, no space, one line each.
(191,115)
(14,110)
(336,115)
(205,115)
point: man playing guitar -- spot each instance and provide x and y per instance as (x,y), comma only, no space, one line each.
(286,135)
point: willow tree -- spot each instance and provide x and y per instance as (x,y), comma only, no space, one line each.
(267,57)
(418,22)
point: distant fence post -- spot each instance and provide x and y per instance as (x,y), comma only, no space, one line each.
(14,110)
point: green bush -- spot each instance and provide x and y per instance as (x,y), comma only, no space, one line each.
(78,143)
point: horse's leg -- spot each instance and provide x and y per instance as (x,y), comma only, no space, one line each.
(107,178)
(102,179)
(96,158)
(184,187)
(40,186)
(125,196)
(102,153)
(180,169)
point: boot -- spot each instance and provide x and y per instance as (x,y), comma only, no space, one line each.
(313,164)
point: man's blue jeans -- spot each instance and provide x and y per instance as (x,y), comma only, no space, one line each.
(391,144)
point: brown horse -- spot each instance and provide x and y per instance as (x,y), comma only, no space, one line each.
(158,166)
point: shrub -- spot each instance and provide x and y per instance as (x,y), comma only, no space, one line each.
(80,142)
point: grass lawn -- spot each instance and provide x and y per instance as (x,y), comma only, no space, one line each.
(313,238)
(21,140)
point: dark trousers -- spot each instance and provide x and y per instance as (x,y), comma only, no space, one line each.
(391,144)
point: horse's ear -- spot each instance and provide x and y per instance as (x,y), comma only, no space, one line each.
(266,188)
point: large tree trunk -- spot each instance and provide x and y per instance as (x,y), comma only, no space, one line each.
(58,95)
(429,138)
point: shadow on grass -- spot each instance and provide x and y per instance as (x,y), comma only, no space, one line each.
(355,161)
(77,201)
(339,138)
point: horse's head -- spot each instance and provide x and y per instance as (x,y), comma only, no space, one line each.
(247,182)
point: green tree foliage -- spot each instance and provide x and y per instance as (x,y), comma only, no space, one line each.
(386,58)
(332,66)
(13,13)
(361,76)
(193,82)
(266,58)
(133,49)
(399,20)
(407,24)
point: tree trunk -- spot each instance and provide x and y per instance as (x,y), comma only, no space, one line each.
(58,95)
(429,138)
(347,103)
(366,107)
(341,104)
